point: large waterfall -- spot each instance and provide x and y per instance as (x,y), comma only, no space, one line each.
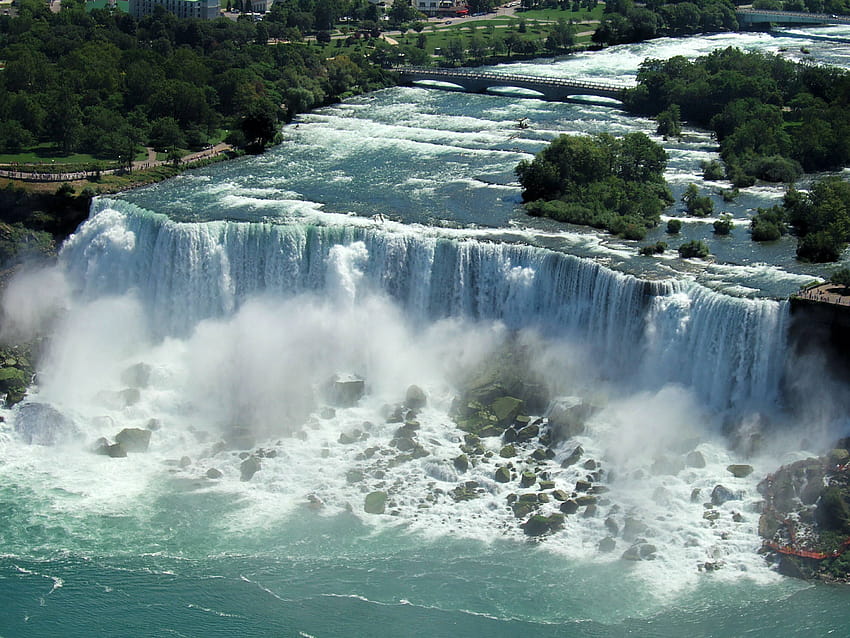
(728,350)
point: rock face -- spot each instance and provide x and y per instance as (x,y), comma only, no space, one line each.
(134,439)
(567,418)
(807,515)
(42,424)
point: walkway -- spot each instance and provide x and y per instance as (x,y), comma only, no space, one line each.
(826,293)
(20,173)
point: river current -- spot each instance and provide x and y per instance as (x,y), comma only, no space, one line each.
(384,238)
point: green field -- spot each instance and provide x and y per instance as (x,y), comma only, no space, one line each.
(50,158)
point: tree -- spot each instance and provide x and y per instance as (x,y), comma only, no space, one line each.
(674,226)
(723,226)
(696,204)
(694,248)
(841,278)
(669,122)
(260,125)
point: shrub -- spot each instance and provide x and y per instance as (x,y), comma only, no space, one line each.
(819,247)
(723,226)
(696,204)
(712,171)
(653,249)
(674,226)
(694,248)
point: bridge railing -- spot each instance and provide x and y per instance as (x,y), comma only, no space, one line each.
(512,77)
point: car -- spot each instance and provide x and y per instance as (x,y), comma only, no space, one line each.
(447,22)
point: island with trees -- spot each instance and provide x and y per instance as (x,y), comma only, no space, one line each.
(616,184)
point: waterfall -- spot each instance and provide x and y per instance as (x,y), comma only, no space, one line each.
(728,350)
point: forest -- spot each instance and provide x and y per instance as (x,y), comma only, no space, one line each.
(107,84)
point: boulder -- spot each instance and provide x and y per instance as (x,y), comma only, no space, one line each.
(214,473)
(739,470)
(574,457)
(607,545)
(503,475)
(507,452)
(461,463)
(414,398)
(249,467)
(567,418)
(375,503)
(344,391)
(134,439)
(547,485)
(640,551)
(569,507)
(582,485)
(347,438)
(137,375)
(184,462)
(538,525)
(42,424)
(721,494)
(560,495)
(506,409)
(528,479)
(695,459)
(634,528)
(528,432)
(116,451)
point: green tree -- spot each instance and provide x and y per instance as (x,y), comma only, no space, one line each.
(723,225)
(694,249)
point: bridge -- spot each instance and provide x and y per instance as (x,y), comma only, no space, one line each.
(752,16)
(553,89)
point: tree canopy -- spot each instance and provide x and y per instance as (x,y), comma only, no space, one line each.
(601,181)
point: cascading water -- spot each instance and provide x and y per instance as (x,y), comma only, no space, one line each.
(214,311)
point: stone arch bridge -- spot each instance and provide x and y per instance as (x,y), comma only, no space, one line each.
(470,80)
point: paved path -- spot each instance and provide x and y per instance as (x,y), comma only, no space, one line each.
(72,176)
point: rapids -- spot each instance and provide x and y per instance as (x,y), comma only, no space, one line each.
(384,239)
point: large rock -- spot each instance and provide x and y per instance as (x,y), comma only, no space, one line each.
(375,503)
(344,391)
(249,467)
(567,418)
(539,525)
(640,551)
(134,439)
(739,470)
(506,409)
(414,398)
(136,376)
(119,399)
(503,475)
(42,424)
(721,494)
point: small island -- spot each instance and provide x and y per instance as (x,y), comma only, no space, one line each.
(616,184)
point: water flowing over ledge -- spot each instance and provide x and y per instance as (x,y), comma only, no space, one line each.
(728,350)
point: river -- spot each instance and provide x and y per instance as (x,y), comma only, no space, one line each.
(384,239)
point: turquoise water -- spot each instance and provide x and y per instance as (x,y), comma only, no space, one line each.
(243,287)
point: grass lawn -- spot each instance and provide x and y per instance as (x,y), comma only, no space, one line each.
(553,15)
(50,157)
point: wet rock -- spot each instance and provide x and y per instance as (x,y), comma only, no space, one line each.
(634,528)
(248,468)
(582,485)
(695,459)
(327,413)
(116,451)
(721,494)
(354,476)
(611,526)
(214,473)
(695,495)
(134,439)
(739,471)
(503,475)
(560,495)
(640,551)
(345,390)
(375,503)
(527,479)
(506,409)
(538,525)
(567,418)
(590,511)
(184,462)
(137,376)
(574,457)
(414,398)
(507,452)
(466,492)
(546,485)
(607,545)
(42,424)
(527,433)
(586,500)
(461,463)
(569,507)
(347,438)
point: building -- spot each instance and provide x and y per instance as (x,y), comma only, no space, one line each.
(202,9)
(447,8)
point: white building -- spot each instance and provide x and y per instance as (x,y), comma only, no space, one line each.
(203,9)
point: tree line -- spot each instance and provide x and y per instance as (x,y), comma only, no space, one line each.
(106,83)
